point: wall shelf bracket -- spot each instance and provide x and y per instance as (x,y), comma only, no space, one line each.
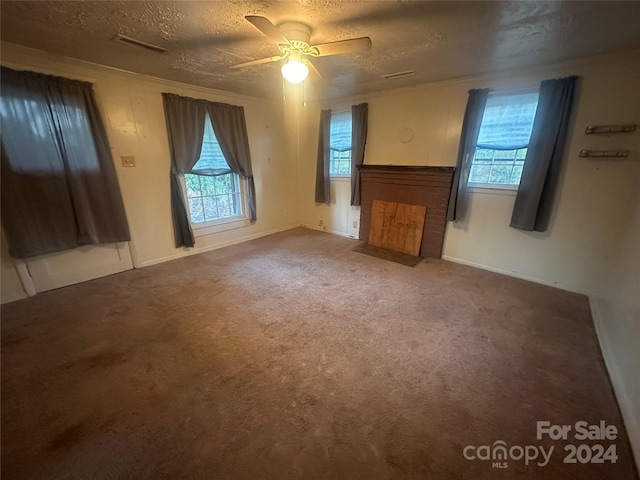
(603,153)
(609,129)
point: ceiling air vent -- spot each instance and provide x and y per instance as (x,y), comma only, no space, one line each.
(394,76)
(137,43)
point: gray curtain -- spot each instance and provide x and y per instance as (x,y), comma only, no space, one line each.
(359,120)
(468,140)
(532,209)
(185,119)
(59,185)
(230,128)
(323,184)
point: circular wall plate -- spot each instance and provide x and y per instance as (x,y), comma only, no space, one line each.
(406,135)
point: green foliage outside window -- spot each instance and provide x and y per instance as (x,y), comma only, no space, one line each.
(213,198)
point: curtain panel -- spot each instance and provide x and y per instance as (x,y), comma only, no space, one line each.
(59,184)
(323,184)
(359,121)
(468,140)
(230,128)
(534,201)
(186,119)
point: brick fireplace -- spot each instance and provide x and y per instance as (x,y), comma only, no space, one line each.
(425,186)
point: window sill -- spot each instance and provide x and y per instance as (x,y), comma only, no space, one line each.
(218,226)
(484,189)
(341,178)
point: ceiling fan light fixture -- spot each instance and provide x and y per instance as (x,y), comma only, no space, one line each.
(294,71)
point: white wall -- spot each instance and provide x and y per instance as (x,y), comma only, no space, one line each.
(615,304)
(131,106)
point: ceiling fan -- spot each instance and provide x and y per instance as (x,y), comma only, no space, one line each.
(293,42)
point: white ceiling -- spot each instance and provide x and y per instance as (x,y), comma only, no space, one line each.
(438,40)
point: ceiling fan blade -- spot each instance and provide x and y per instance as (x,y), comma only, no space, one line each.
(258,62)
(267,28)
(314,74)
(353,45)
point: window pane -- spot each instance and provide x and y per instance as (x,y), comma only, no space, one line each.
(193,185)
(340,163)
(521,154)
(195,208)
(237,204)
(500,173)
(515,175)
(216,197)
(225,204)
(504,155)
(483,155)
(503,168)
(207,185)
(224,184)
(480,173)
(210,210)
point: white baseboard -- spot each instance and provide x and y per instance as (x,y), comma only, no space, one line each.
(14,297)
(510,273)
(196,250)
(324,229)
(627,407)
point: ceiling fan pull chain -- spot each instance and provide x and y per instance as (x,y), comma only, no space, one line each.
(284,90)
(304,93)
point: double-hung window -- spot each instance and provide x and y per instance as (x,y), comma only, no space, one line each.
(58,181)
(503,140)
(214,193)
(340,144)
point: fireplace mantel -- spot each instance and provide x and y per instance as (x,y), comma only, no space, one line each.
(414,185)
(406,168)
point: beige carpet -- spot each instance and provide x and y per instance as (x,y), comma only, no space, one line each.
(293,357)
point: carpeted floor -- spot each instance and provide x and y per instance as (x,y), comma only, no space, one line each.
(292,356)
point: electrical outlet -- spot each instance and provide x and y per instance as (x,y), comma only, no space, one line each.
(355,224)
(320,223)
(128,161)
(286,213)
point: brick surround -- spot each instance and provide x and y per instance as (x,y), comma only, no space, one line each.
(428,186)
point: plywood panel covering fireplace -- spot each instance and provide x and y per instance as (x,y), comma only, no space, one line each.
(397,226)
(423,186)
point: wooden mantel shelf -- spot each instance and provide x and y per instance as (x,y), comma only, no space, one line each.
(406,168)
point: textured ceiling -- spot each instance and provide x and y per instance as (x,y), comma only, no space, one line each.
(438,40)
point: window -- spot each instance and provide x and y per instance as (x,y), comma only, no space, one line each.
(340,144)
(213,191)
(503,140)
(58,181)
